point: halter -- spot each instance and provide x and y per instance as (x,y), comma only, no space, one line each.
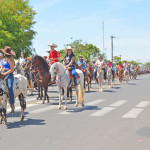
(38,65)
(61,76)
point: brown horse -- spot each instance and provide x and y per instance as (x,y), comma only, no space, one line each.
(42,76)
(120,74)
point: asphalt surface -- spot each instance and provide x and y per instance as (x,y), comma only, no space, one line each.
(117,119)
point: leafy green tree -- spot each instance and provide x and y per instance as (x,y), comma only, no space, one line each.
(16,25)
(88,51)
(147,64)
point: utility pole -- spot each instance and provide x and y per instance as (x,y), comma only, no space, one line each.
(112,37)
(103,34)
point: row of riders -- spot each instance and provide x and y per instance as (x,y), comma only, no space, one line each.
(17,75)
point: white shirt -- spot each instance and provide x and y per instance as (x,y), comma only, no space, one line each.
(100,63)
(22,61)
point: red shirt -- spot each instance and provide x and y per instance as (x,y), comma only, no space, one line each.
(119,66)
(109,64)
(53,54)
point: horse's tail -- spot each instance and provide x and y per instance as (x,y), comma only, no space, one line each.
(80,94)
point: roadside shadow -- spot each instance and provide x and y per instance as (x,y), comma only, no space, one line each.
(80,109)
(26,122)
(16,114)
(116,87)
(145,131)
(131,83)
(89,91)
(108,91)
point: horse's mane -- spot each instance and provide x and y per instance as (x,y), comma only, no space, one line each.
(42,62)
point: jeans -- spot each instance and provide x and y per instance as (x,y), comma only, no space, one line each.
(9,81)
(73,72)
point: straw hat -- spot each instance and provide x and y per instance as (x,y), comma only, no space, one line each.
(69,48)
(8,51)
(52,44)
(80,56)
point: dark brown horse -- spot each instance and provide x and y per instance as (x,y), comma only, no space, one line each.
(42,76)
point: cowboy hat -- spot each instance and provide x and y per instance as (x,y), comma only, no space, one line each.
(52,44)
(69,48)
(80,56)
(8,51)
(28,58)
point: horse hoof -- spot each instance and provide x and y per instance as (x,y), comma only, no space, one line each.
(65,107)
(82,105)
(47,101)
(76,105)
(43,102)
(22,118)
(59,107)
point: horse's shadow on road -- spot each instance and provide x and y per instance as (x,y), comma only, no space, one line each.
(26,122)
(145,131)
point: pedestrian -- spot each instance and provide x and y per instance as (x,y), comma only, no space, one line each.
(22,61)
(8,69)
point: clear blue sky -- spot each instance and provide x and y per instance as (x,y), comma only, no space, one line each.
(127,20)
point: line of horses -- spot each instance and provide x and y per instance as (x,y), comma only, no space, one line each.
(38,72)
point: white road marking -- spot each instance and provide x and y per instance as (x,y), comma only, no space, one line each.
(68,112)
(19,108)
(118,103)
(143,104)
(133,113)
(103,111)
(43,109)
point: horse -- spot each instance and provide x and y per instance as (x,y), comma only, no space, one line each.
(110,77)
(100,76)
(42,76)
(26,72)
(62,78)
(126,75)
(120,74)
(20,91)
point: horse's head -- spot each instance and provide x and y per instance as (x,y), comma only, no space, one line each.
(53,71)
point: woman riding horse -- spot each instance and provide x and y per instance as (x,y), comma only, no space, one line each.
(7,71)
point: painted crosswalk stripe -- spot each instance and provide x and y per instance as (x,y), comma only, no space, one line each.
(143,104)
(87,105)
(43,109)
(103,111)
(133,113)
(19,108)
(108,109)
(118,103)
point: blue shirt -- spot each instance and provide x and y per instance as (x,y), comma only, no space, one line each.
(6,65)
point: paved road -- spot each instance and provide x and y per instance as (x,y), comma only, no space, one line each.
(117,119)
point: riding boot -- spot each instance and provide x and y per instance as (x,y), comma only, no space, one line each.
(12,108)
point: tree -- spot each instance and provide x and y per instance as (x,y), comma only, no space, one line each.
(16,26)
(88,51)
(147,64)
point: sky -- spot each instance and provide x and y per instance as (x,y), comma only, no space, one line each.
(63,21)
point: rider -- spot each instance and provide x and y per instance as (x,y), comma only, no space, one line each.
(95,70)
(22,61)
(1,61)
(108,64)
(81,63)
(53,54)
(101,62)
(119,66)
(8,68)
(69,62)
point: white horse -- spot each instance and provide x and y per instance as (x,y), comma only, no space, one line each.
(126,75)
(110,77)
(20,91)
(100,76)
(61,75)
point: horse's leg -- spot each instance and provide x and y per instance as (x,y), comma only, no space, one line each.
(70,93)
(23,106)
(41,92)
(65,90)
(59,106)
(1,117)
(38,91)
(82,90)
(5,118)
(77,97)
